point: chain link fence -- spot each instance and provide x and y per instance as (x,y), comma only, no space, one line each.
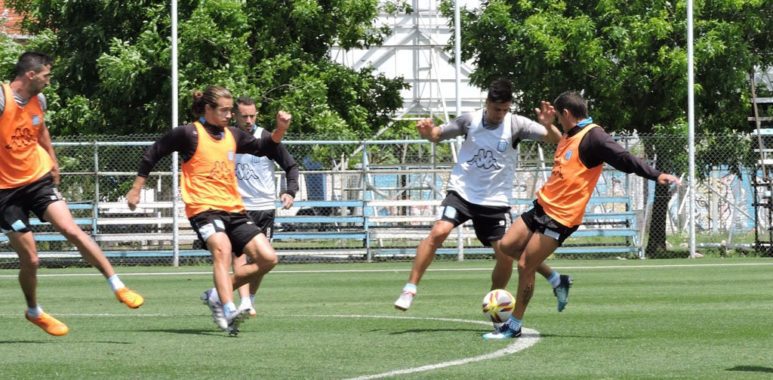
(374,200)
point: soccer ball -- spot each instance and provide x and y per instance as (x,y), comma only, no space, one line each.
(498,305)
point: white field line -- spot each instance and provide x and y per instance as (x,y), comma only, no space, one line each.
(529,338)
(589,267)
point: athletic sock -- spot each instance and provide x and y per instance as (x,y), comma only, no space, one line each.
(514,323)
(252,299)
(213,296)
(34,312)
(411,288)
(115,282)
(229,308)
(554,279)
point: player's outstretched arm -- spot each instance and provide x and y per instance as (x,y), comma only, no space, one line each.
(428,130)
(546,115)
(283,120)
(668,179)
(133,196)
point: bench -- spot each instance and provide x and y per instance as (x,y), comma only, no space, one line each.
(609,228)
(342,229)
(330,228)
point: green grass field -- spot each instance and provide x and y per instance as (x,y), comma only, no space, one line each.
(699,319)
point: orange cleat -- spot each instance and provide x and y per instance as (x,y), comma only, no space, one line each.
(49,324)
(129,297)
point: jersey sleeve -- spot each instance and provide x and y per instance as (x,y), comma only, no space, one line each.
(180,139)
(597,147)
(456,127)
(285,160)
(527,129)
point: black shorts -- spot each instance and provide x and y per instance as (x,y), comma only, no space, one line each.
(238,226)
(537,221)
(263,219)
(16,204)
(490,222)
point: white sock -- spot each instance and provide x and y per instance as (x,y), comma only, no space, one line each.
(252,299)
(34,312)
(115,282)
(229,308)
(245,303)
(411,288)
(555,279)
(213,296)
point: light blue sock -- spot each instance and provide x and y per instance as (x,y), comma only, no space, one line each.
(410,288)
(229,308)
(34,312)
(555,279)
(252,299)
(514,323)
(115,282)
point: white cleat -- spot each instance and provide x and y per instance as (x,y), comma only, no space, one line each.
(405,300)
(218,315)
(235,319)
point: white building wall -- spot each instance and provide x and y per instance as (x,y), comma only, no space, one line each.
(416,51)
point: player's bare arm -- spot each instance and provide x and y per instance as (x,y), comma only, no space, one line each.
(133,196)
(546,115)
(668,179)
(428,130)
(283,120)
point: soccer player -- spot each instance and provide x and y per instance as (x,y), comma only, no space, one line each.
(29,175)
(481,183)
(208,148)
(560,204)
(258,188)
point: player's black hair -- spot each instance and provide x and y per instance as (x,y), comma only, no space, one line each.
(500,90)
(32,61)
(572,101)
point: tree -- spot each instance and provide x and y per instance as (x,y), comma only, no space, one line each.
(113,61)
(629,59)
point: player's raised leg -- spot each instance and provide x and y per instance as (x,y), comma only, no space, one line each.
(59,215)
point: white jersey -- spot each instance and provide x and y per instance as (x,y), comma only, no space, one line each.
(485,171)
(256,179)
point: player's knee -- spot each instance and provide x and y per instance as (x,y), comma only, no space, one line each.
(436,238)
(271,262)
(524,267)
(220,255)
(30,263)
(73,233)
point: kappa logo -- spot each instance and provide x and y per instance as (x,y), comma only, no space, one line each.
(245,172)
(220,170)
(485,159)
(21,137)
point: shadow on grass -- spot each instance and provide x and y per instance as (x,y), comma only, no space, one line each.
(605,337)
(60,341)
(751,368)
(188,332)
(421,331)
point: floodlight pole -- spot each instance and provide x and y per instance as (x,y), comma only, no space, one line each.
(175,118)
(691,127)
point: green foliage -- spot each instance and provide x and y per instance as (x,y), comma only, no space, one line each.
(9,53)
(628,57)
(114,61)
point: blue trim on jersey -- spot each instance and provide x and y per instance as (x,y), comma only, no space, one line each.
(585,122)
